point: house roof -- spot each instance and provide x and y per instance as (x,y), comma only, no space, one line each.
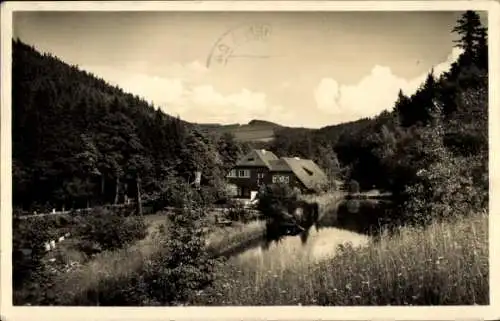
(279,165)
(257,158)
(306,172)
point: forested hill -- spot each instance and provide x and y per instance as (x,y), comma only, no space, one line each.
(388,150)
(79,141)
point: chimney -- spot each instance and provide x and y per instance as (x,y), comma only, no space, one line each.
(297,158)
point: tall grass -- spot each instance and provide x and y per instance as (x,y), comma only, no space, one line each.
(445,264)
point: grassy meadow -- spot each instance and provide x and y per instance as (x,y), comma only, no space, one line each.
(445,263)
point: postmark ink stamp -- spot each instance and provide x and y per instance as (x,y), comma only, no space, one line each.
(226,46)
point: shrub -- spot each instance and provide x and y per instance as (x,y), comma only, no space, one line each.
(105,230)
(208,195)
(445,190)
(274,199)
(447,185)
(177,277)
(32,276)
(353,186)
(280,203)
(29,235)
(173,276)
(241,214)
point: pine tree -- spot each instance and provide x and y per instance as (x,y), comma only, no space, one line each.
(403,109)
(473,38)
(482,49)
(428,96)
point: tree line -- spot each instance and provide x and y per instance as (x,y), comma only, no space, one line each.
(389,151)
(79,142)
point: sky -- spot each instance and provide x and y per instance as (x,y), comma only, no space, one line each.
(304,69)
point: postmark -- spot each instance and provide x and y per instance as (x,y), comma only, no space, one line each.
(226,46)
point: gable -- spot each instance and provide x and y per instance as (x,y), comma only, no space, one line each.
(257,158)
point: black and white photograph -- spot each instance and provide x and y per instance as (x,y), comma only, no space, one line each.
(224,158)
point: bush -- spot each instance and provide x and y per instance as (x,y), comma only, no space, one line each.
(172,276)
(353,186)
(448,185)
(274,199)
(32,277)
(446,189)
(177,277)
(105,230)
(238,212)
(280,203)
(29,235)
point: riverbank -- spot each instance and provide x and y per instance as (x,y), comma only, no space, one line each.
(228,240)
(445,264)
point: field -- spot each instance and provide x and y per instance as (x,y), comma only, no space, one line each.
(446,264)
(253,131)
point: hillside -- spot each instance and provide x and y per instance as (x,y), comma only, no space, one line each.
(78,141)
(255,130)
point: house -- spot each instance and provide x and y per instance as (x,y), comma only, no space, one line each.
(263,167)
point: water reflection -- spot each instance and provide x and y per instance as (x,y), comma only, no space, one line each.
(354,221)
(291,250)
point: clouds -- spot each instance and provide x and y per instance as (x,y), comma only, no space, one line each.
(206,104)
(190,91)
(183,91)
(374,93)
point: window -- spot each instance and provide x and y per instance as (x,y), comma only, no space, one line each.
(260,175)
(232,173)
(243,173)
(308,171)
(281,179)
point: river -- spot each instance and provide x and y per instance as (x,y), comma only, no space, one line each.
(353,221)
